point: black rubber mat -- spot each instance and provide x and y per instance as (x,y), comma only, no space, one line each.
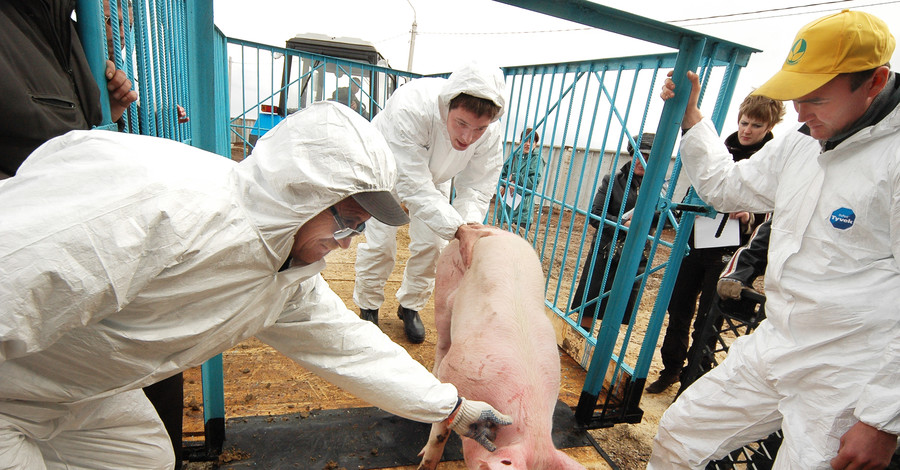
(355,438)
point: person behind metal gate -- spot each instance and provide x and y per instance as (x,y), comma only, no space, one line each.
(519,178)
(440,131)
(622,193)
(825,363)
(700,269)
(126,259)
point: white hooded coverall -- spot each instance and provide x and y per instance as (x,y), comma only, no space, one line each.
(126,259)
(828,355)
(414,123)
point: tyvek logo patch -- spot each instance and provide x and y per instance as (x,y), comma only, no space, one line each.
(842,218)
(797,52)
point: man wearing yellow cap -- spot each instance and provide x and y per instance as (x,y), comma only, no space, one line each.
(825,366)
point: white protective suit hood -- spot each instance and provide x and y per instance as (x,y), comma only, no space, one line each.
(311,160)
(476,80)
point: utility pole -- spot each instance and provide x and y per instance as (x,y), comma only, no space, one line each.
(412,38)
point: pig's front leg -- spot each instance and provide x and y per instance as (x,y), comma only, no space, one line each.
(433,451)
(449,274)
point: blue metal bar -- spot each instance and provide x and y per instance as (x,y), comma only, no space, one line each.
(628,24)
(213,386)
(146,125)
(542,124)
(130,118)
(200,41)
(223,98)
(90,20)
(726,93)
(201,38)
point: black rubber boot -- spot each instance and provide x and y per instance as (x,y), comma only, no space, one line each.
(370,315)
(412,325)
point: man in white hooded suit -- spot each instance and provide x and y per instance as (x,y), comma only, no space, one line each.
(126,259)
(442,132)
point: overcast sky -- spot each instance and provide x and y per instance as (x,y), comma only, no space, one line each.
(453,32)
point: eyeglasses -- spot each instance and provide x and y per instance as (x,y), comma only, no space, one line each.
(343,230)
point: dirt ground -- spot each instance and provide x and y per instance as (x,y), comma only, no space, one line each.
(260,381)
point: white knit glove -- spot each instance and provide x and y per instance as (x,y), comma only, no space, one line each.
(478,420)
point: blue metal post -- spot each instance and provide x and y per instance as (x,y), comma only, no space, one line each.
(213,403)
(732,72)
(689,55)
(201,41)
(90,21)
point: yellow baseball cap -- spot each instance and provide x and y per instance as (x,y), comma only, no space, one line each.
(849,41)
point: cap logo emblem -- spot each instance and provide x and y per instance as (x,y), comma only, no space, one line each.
(797,51)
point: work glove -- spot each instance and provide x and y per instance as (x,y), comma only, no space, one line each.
(729,289)
(478,420)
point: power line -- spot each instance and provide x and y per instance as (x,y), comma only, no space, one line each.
(780,15)
(759,11)
(502,33)
(738,17)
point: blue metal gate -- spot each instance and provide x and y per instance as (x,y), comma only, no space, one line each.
(588,112)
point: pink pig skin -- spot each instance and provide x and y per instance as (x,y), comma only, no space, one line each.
(496,344)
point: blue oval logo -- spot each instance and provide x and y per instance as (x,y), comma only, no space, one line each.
(843,218)
(797,52)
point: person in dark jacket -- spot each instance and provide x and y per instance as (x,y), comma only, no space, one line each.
(622,197)
(700,269)
(47,88)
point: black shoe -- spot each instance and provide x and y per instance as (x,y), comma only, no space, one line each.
(370,315)
(412,325)
(662,383)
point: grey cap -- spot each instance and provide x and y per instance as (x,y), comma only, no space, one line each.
(383,206)
(646,143)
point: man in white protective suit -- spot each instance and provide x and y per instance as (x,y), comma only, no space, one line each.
(440,131)
(126,259)
(825,365)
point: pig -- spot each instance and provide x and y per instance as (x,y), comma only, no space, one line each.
(496,344)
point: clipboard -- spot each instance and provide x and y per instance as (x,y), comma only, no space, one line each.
(512,198)
(712,233)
